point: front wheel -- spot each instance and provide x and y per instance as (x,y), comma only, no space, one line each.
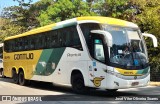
(78,84)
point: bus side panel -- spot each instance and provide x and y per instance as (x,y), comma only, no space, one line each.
(25,60)
(61,62)
(8,63)
(72,59)
(48,64)
(31,64)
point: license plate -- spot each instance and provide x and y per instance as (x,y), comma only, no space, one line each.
(134,83)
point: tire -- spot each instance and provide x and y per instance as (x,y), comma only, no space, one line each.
(3,76)
(21,79)
(1,70)
(14,77)
(78,84)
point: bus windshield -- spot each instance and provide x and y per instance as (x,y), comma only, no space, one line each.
(128,49)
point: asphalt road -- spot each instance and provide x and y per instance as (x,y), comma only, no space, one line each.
(57,94)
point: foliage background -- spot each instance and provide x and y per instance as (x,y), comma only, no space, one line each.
(26,16)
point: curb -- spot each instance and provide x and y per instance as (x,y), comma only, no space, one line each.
(154,83)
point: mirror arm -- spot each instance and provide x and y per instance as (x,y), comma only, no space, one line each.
(154,39)
(107,35)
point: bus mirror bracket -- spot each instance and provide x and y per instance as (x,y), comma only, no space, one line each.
(154,39)
(106,34)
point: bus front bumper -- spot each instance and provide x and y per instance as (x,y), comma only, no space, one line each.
(115,82)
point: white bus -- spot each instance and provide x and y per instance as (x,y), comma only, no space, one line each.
(97,52)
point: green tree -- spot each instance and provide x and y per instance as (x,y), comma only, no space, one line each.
(14,20)
(35,10)
(149,22)
(64,9)
(8,29)
(123,9)
(18,15)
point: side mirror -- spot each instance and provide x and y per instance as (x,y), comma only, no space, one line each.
(154,39)
(107,35)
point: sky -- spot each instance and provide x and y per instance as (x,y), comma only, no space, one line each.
(7,3)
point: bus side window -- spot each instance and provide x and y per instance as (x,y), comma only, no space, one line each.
(68,38)
(86,28)
(72,38)
(16,45)
(77,43)
(11,45)
(54,38)
(48,39)
(20,44)
(26,43)
(60,37)
(63,37)
(32,43)
(6,46)
(40,43)
(43,40)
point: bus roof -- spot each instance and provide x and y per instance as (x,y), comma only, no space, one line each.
(85,19)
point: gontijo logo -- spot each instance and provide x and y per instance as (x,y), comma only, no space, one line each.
(23,56)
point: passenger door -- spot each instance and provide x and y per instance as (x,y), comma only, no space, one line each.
(97,65)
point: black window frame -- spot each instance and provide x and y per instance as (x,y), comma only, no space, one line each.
(39,41)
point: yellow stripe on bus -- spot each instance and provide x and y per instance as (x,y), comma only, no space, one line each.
(108,20)
(104,20)
(127,72)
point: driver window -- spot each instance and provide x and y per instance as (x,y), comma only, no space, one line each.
(98,50)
